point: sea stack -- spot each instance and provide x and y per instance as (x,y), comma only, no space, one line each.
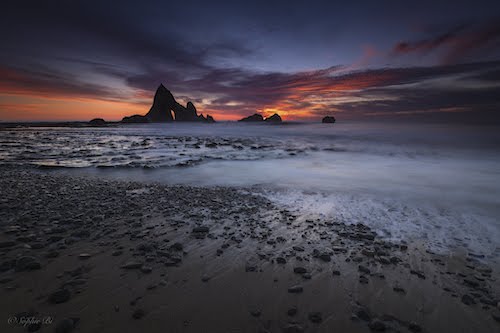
(256,118)
(275,118)
(328,120)
(162,104)
(166,109)
(253,118)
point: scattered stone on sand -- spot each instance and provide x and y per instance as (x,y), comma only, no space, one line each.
(362,313)
(326,257)
(146,269)
(420,274)
(364,269)
(295,289)
(34,327)
(132,265)
(200,229)
(293,328)
(399,290)
(255,313)
(138,314)
(377,325)
(177,246)
(414,327)
(315,317)
(27,263)
(468,300)
(5,244)
(281,260)
(66,325)
(59,296)
(300,270)
(292,311)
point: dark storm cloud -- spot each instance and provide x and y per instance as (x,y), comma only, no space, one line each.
(458,42)
(45,82)
(102,50)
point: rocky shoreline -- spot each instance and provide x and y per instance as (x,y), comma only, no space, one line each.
(98,255)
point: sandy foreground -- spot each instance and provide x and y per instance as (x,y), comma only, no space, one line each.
(80,254)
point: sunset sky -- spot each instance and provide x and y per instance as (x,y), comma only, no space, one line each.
(77,60)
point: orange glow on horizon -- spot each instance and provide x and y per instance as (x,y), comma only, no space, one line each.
(308,96)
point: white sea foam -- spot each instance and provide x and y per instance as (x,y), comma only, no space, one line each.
(432,182)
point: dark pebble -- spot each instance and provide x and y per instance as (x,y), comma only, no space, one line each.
(138,314)
(59,296)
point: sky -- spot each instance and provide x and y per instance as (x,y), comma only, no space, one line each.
(77,60)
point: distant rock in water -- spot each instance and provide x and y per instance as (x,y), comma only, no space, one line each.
(135,119)
(253,118)
(97,122)
(328,120)
(166,109)
(275,118)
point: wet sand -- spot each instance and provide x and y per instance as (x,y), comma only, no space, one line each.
(80,254)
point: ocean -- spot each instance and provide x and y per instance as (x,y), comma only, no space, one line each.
(434,183)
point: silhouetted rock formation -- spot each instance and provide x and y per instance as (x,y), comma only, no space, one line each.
(275,118)
(164,104)
(328,120)
(135,119)
(97,122)
(253,118)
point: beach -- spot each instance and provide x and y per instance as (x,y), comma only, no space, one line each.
(96,255)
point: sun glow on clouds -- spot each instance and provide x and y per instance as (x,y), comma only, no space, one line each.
(35,108)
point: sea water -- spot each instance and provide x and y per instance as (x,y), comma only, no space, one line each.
(430,182)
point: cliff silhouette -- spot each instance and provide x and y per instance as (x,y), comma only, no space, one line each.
(166,109)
